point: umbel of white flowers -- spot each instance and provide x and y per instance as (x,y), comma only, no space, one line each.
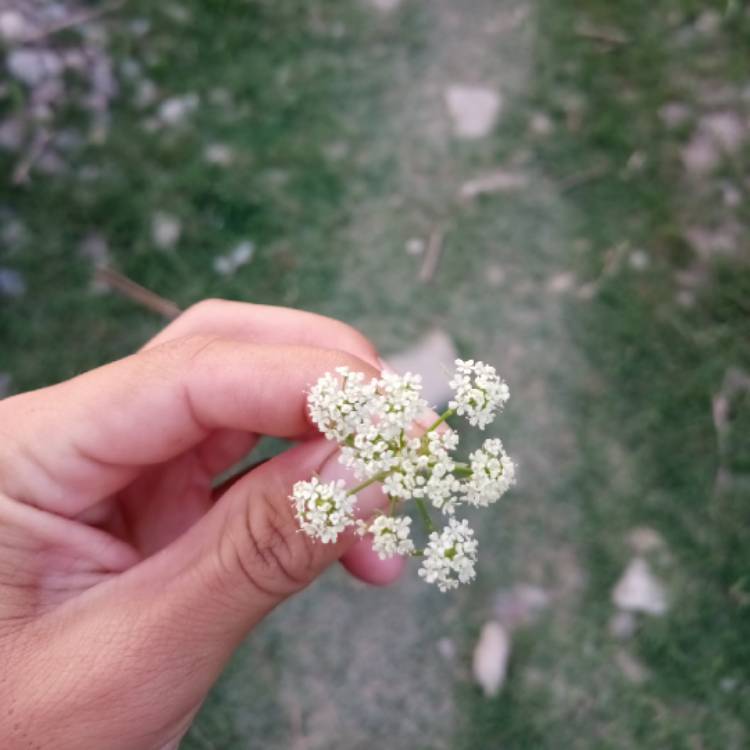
(372,422)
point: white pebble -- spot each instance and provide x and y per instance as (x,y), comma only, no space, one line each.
(165,230)
(175,110)
(639,590)
(491,655)
(226,265)
(32,66)
(13,26)
(218,154)
(473,109)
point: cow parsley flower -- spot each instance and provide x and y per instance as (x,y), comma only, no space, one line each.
(373,424)
(450,556)
(492,473)
(479,392)
(323,510)
(338,403)
(391,536)
(398,403)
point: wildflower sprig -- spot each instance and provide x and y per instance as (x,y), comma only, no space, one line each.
(373,423)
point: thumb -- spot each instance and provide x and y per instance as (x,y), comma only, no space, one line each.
(159,634)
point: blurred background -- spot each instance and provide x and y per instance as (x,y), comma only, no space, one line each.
(559,188)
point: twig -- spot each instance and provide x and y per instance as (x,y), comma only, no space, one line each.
(38,146)
(136,293)
(495,182)
(77,19)
(598,34)
(432,255)
(581,178)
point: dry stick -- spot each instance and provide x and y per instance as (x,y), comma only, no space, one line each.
(137,293)
(77,19)
(35,151)
(609,36)
(576,180)
(432,254)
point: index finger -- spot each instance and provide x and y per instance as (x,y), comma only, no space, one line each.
(101,428)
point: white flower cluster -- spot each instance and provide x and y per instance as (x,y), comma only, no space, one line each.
(373,423)
(479,392)
(390,535)
(324,510)
(450,556)
(492,474)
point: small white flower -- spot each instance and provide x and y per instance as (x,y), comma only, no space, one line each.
(338,403)
(479,392)
(492,473)
(390,536)
(450,556)
(369,453)
(398,403)
(323,510)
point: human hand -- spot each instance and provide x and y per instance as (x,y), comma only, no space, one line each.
(126,581)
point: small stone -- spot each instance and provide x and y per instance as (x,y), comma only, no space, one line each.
(175,110)
(431,357)
(13,26)
(386,6)
(12,283)
(639,260)
(226,265)
(31,66)
(561,282)
(218,154)
(473,109)
(622,625)
(491,655)
(415,246)
(639,590)
(165,230)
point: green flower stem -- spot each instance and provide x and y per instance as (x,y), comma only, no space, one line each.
(463,470)
(445,415)
(377,478)
(425,515)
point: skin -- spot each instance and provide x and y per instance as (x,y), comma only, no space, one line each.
(126,582)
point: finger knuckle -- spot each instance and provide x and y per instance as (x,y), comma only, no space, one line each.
(205,308)
(267,550)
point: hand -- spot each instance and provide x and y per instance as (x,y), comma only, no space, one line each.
(125,581)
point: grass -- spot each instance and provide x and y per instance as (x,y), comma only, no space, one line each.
(340,160)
